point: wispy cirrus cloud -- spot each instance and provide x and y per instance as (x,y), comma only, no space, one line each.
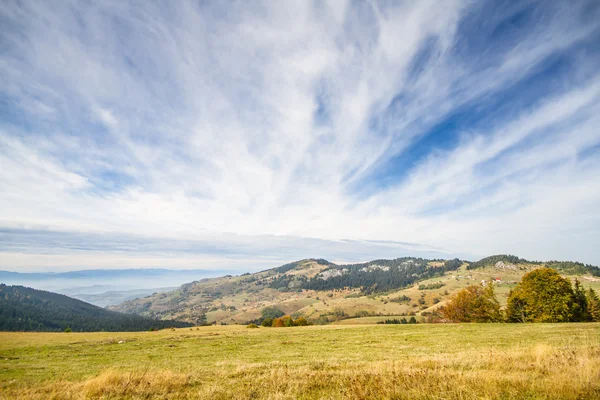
(470,128)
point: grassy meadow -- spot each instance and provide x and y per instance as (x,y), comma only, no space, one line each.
(454,361)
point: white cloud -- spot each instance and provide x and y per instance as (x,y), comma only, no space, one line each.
(195,121)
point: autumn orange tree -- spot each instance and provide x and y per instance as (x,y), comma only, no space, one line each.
(287,321)
(473,304)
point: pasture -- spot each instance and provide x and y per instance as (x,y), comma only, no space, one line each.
(424,361)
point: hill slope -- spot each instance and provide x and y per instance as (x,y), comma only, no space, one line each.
(325,292)
(26,309)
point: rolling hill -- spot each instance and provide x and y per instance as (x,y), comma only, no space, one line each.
(325,292)
(26,309)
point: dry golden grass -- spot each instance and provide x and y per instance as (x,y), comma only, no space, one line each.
(378,362)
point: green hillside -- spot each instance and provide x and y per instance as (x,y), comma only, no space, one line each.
(26,309)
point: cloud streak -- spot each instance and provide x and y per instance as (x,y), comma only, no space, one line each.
(469,128)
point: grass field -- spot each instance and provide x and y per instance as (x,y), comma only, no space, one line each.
(546,361)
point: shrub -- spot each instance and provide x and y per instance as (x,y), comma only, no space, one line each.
(267,322)
(431,286)
(68,329)
(402,299)
(252,326)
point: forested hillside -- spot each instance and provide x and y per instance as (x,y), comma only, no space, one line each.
(564,267)
(372,277)
(491,260)
(26,309)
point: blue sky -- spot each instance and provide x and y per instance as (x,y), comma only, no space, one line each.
(222,135)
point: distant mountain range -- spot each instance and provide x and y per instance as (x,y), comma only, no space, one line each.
(26,309)
(99,281)
(107,274)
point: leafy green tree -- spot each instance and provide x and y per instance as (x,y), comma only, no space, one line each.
(541,296)
(580,306)
(271,312)
(301,321)
(473,304)
(593,305)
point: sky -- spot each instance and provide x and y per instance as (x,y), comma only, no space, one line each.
(240,136)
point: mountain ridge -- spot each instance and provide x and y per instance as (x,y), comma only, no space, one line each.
(87,273)
(85,281)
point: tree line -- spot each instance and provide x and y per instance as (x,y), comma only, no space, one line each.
(397,321)
(273,317)
(542,295)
